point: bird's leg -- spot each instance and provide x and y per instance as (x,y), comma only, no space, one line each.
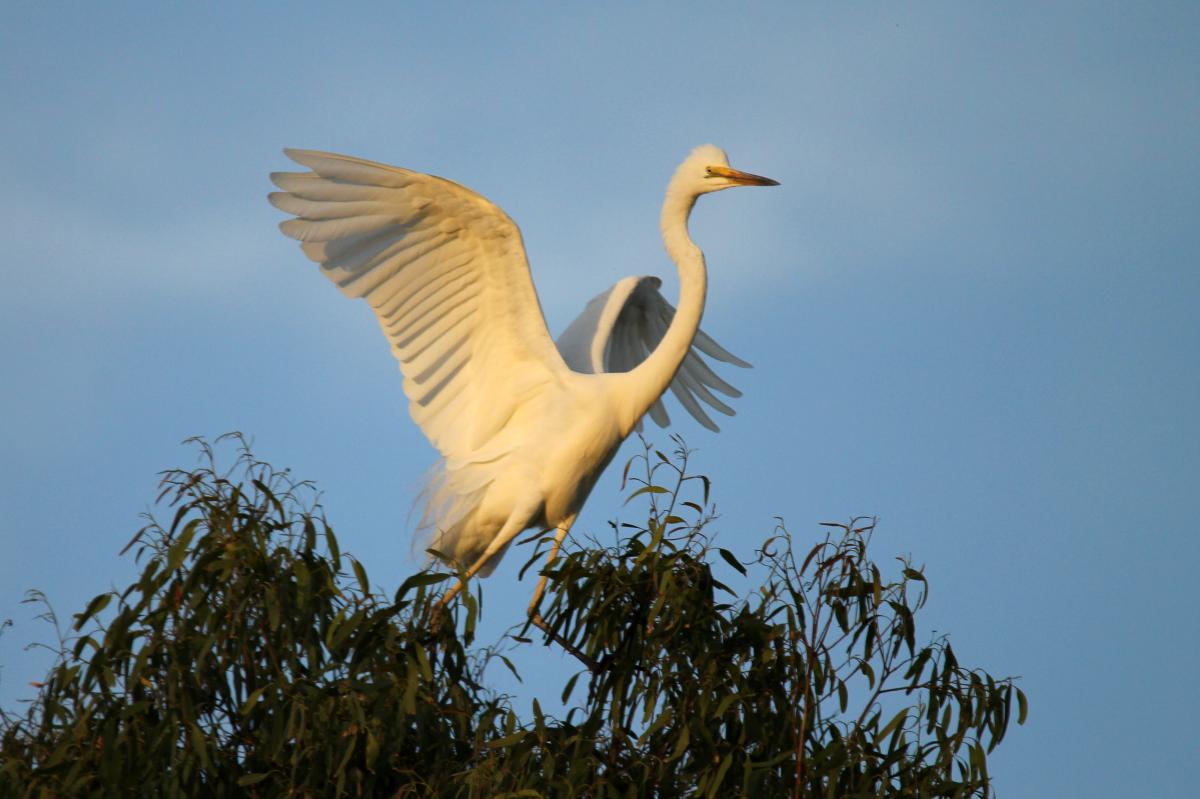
(541,586)
(439,610)
(453,592)
(517,522)
(462,583)
(536,617)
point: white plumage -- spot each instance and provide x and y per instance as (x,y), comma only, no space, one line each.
(524,426)
(620,327)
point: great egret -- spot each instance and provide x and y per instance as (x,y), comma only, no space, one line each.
(524,427)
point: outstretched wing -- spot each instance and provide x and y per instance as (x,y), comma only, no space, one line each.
(621,327)
(446,274)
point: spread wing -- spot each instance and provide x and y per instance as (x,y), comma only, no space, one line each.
(621,327)
(446,274)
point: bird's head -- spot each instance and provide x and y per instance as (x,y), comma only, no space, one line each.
(707,170)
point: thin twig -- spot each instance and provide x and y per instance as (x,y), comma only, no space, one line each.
(592,665)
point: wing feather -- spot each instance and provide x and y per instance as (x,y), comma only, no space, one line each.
(445,272)
(689,378)
(397,296)
(621,327)
(710,378)
(712,349)
(691,406)
(659,414)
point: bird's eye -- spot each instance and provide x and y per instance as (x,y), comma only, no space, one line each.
(708,172)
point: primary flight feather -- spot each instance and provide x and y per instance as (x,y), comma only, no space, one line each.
(524,427)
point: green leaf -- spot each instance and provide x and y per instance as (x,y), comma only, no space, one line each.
(372,753)
(199,743)
(681,744)
(725,703)
(539,718)
(513,668)
(310,531)
(1022,707)
(351,743)
(252,779)
(361,575)
(412,683)
(894,724)
(273,610)
(178,550)
(252,700)
(719,778)
(419,580)
(978,762)
(660,722)
(731,560)
(867,672)
(569,687)
(507,740)
(646,490)
(303,580)
(335,553)
(98,603)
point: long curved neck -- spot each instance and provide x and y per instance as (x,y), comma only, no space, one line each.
(651,378)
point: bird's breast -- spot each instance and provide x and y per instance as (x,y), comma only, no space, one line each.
(581,439)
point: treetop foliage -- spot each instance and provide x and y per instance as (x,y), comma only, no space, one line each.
(252,657)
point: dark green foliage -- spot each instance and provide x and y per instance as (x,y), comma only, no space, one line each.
(251,658)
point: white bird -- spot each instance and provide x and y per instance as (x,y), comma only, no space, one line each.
(524,428)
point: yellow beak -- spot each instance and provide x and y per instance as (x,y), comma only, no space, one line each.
(741,178)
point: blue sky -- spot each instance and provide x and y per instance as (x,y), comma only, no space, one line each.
(971,305)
